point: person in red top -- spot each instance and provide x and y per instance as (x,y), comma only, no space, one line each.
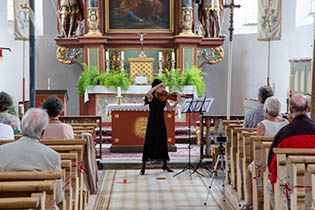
(300,133)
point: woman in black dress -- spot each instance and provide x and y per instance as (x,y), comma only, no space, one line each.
(155,145)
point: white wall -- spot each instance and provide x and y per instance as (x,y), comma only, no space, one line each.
(250,57)
(249,60)
(11,64)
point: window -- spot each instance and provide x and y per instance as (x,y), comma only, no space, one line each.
(251,11)
(10,14)
(246,17)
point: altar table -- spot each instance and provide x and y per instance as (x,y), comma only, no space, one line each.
(129,122)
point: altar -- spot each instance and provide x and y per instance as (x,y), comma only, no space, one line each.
(129,122)
(97,99)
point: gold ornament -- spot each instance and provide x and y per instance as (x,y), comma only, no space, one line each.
(140,127)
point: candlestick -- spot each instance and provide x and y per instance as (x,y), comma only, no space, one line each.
(48,83)
(160,68)
(119,91)
(107,60)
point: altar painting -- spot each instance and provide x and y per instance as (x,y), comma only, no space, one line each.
(139,15)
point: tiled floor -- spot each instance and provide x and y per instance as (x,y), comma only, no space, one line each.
(160,190)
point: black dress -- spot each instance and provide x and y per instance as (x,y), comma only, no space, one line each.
(155,145)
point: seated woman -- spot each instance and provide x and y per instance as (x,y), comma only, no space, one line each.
(56,129)
(268,127)
(5,117)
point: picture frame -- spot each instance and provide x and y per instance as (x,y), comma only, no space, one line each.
(132,16)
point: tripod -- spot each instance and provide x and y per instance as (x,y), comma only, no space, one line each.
(221,159)
(188,166)
(194,105)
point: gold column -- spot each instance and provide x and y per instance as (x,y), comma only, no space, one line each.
(93,19)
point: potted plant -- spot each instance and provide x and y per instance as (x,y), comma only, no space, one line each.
(178,78)
(116,78)
(88,77)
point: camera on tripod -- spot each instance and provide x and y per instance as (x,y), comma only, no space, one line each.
(220,139)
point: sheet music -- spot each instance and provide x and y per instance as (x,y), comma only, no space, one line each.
(195,105)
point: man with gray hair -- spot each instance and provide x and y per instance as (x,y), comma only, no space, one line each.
(27,153)
(254,116)
(299,133)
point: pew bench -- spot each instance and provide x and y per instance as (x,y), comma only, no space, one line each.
(311,170)
(260,147)
(284,170)
(301,196)
(29,183)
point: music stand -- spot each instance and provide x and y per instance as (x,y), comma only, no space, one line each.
(194,105)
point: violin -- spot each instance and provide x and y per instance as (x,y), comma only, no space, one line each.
(164,96)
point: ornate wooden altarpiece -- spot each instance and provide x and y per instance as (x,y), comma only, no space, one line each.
(88,29)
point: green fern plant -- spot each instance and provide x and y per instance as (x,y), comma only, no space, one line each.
(88,77)
(116,78)
(179,78)
(193,76)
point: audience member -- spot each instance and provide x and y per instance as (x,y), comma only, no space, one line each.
(309,99)
(5,117)
(254,116)
(268,127)
(6,132)
(299,133)
(27,154)
(56,129)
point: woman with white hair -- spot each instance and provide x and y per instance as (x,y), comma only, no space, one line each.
(274,122)
(268,127)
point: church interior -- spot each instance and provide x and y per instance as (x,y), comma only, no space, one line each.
(157,104)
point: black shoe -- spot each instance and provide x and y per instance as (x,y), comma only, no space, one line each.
(165,168)
(141,172)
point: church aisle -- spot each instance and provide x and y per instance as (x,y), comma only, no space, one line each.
(160,190)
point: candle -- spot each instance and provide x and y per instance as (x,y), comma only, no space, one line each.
(48,83)
(0,52)
(119,91)
(167,89)
(160,56)
(173,56)
(106,55)
(122,55)
(93,3)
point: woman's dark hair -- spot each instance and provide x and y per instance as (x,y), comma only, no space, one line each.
(5,101)
(264,92)
(53,105)
(154,83)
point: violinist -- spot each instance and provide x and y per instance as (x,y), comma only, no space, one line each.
(155,145)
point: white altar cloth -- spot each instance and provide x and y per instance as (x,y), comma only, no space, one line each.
(136,107)
(135,90)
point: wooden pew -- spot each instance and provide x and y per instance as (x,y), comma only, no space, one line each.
(32,181)
(77,180)
(284,170)
(227,130)
(311,170)
(241,134)
(32,202)
(301,196)
(265,169)
(35,189)
(259,146)
(66,165)
(87,119)
(233,150)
